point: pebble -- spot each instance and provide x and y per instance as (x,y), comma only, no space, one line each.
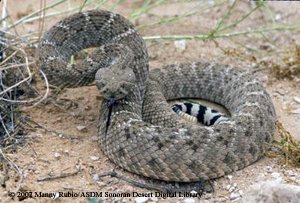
(56,155)
(269,169)
(87,108)
(94,158)
(91,118)
(284,107)
(95,177)
(81,128)
(154,199)
(230,177)
(189,200)
(141,199)
(275,175)
(220,199)
(234,196)
(297,111)
(180,44)
(277,17)
(297,99)
(290,173)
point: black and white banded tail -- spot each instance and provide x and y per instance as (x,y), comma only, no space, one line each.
(197,112)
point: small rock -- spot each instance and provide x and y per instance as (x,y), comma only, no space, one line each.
(66,151)
(95,177)
(29,200)
(297,99)
(154,199)
(32,168)
(91,118)
(181,44)
(290,173)
(234,196)
(78,166)
(94,158)
(87,108)
(241,192)
(275,175)
(221,199)
(269,169)
(189,200)
(297,111)
(230,177)
(141,199)
(81,128)
(277,17)
(56,155)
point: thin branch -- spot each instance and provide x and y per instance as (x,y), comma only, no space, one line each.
(63,175)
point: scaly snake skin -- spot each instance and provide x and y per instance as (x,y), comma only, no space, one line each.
(145,136)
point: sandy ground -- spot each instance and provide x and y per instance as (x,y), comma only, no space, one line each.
(76,151)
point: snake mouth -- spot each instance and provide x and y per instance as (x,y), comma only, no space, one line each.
(111,104)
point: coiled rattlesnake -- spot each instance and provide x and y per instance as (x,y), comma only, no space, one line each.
(145,136)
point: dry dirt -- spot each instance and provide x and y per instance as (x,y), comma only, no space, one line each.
(47,154)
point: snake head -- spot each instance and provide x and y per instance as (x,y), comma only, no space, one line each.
(115,82)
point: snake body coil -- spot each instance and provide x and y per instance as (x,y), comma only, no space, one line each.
(145,136)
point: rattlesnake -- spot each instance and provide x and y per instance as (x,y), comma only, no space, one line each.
(145,137)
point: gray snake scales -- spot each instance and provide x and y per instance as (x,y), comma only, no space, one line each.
(145,136)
